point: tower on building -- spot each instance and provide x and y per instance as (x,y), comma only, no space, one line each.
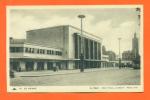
(135,52)
(135,46)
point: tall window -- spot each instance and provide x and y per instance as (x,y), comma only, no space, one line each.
(86,49)
(76,45)
(91,43)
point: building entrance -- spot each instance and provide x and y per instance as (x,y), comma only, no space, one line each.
(58,64)
(40,65)
(50,65)
(29,66)
(14,66)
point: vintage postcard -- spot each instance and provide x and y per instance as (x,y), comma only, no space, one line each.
(75,48)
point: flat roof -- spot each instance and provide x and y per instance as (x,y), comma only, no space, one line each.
(85,32)
(67,26)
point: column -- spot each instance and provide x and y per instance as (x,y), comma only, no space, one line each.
(84,50)
(114,64)
(35,65)
(93,50)
(54,64)
(95,43)
(45,65)
(97,51)
(78,48)
(102,64)
(76,37)
(89,55)
(22,66)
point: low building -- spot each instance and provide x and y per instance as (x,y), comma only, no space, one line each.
(127,55)
(105,60)
(112,55)
(108,58)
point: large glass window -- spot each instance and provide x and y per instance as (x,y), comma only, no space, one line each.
(12,49)
(16,49)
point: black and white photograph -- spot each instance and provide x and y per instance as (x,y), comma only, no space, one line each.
(75,48)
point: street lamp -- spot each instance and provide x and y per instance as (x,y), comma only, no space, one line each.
(81,54)
(119,54)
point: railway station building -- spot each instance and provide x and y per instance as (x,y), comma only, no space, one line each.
(54,46)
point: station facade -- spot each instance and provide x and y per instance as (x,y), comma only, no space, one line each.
(55,46)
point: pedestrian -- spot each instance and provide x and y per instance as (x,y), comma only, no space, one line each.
(57,68)
(54,68)
(19,69)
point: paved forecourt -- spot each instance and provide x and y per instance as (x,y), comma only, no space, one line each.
(109,76)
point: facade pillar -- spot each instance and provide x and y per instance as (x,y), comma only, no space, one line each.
(45,65)
(102,65)
(22,66)
(35,65)
(84,52)
(78,48)
(89,50)
(93,50)
(95,44)
(71,65)
(114,65)
(97,51)
(54,64)
(100,51)
(63,65)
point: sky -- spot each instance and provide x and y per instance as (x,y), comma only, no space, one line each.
(107,23)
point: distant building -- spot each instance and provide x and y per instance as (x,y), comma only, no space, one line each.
(108,58)
(104,50)
(127,55)
(135,46)
(135,51)
(112,55)
(132,58)
(105,60)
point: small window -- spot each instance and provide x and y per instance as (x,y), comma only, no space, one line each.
(38,51)
(43,51)
(47,51)
(55,52)
(52,52)
(26,50)
(32,50)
